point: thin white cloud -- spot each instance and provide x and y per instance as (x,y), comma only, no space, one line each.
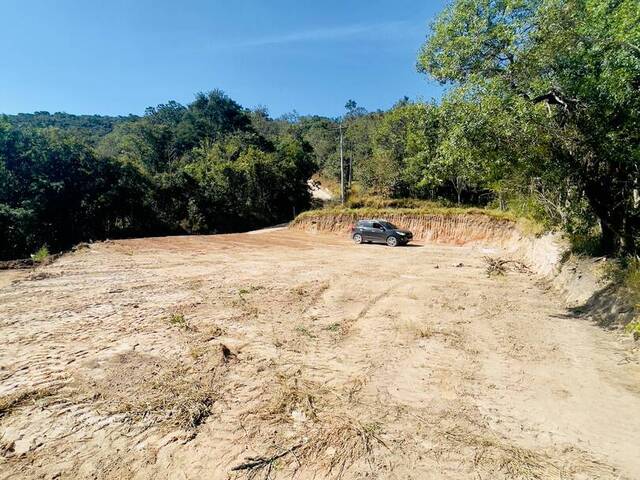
(321,34)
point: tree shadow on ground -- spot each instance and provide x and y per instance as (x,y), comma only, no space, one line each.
(606,308)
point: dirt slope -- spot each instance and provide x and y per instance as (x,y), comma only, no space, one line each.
(181,357)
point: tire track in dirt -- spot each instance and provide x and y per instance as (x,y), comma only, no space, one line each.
(391,363)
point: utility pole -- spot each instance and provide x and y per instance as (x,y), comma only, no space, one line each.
(341,167)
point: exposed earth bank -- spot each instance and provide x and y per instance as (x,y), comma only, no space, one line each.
(580,281)
(288,352)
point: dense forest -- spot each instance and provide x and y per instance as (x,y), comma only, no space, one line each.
(89,128)
(541,116)
(201,168)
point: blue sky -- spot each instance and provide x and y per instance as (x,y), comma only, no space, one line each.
(118,57)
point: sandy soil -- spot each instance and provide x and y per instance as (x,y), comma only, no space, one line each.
(185,357)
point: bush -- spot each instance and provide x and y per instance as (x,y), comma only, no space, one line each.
(41,255)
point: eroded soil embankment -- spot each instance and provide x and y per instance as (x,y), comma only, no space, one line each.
(580,281)
(439,228)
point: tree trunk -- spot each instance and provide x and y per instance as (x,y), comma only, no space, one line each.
(609,208)
(609,239)
(458,185)
(627,239)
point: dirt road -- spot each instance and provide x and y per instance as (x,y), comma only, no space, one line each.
(183,357)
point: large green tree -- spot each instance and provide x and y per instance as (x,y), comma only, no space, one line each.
(580,61)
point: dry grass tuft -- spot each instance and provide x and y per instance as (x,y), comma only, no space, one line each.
(493,455)
(10,402)
(147,389)
(331,446)
(341,442)
(323,434)
(292,397)
(416,329)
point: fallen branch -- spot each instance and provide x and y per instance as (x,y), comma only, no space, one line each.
(499,266)
(253,463)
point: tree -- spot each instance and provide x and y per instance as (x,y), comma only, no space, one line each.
(404,139)
(353,110)
(580,59)
(203,168)
(321,133)
(211,115)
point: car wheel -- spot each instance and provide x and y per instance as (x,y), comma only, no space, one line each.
(357,238)
(392,241)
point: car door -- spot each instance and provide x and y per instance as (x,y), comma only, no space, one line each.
(378,233)
(365,230)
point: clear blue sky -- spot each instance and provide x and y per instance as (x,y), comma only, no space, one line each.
(118,57)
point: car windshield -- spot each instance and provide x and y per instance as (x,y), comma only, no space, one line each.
(388,225)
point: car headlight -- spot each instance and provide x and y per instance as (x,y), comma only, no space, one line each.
(400,233)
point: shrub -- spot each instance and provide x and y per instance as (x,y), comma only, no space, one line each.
(41,255)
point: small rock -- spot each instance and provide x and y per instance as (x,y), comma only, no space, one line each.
(226,353)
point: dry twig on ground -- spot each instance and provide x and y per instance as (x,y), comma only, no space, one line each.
(500,266)
(256,464)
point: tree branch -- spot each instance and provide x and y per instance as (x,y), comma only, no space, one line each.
(554,97)
(261,462)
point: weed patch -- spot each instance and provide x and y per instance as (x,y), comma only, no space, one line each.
(172,394)
(41,255)
(178,320)
(326,435)
(302,330)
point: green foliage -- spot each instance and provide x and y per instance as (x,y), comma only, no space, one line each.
(178,320)
(57,192)
(89,128)
(633,328)
(404,144)
(553,87)
(378,202)
(625,273)
(323,136)
(426,209)
(304,331)
(41,254)
(202,168)
(241,188)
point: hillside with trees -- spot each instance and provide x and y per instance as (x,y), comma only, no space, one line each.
(541,117)
(200,168)
(90,128)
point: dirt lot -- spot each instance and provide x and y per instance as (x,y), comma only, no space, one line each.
(184,357)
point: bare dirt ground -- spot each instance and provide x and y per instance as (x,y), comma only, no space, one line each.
(290,355)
